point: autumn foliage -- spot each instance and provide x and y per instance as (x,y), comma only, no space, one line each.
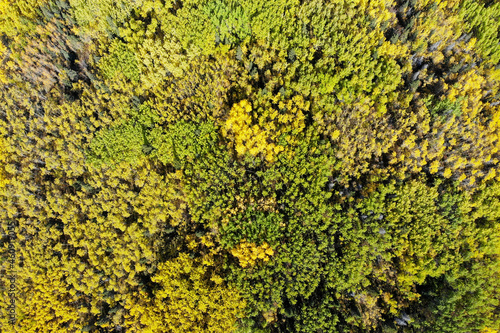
(250,166)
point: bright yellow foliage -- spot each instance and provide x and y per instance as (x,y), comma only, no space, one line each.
(248,253)
(488,330)
(192,298)
(15,14)
(3,159)
(259,139)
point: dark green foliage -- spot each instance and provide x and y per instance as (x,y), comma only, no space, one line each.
(120,143)
(182,142)
(254,226)
(443,108)
(300,242)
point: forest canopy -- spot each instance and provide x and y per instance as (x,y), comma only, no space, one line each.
(260,166)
